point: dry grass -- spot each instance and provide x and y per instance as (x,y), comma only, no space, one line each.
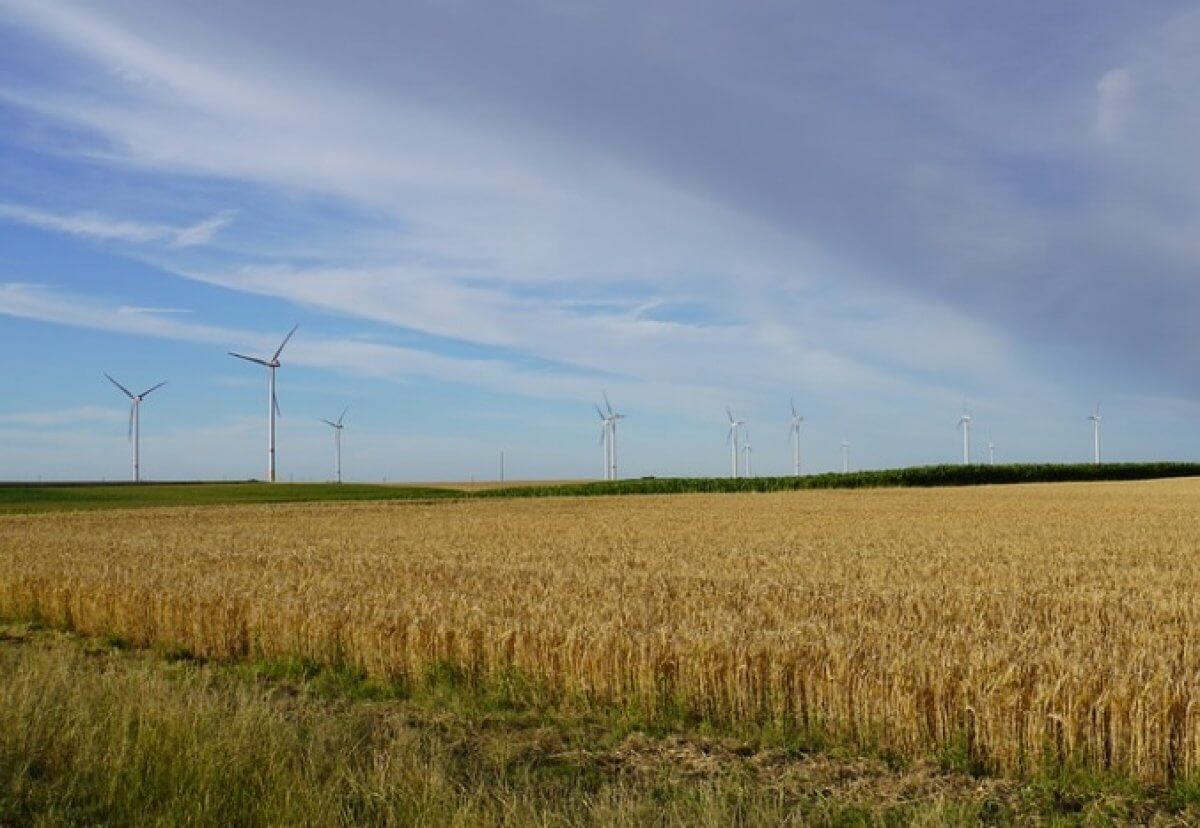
(1016,628)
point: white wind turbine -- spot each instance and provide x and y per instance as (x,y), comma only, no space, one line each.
(964,422)
(605,442)
(732,439)
(611,420)
(991,453)
(845,455)
(746,450)
(337,440)
(135,419)
(1095,418)
(794,436)
(272,402)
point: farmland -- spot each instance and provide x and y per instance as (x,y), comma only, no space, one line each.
(24,498)
(1015,628)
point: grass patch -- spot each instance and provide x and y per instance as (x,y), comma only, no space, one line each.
(108,736)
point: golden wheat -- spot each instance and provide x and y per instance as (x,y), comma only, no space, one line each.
(1028,625)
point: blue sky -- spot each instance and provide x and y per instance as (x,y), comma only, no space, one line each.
(481,217)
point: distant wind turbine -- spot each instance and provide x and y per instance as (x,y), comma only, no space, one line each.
(746,450)
(135,418)
(991,453)
(845,455)
(272,403)
(1095,418)
(732,439)
(964,422)
(605,443)
(337,440)
(794,437)
(611,419)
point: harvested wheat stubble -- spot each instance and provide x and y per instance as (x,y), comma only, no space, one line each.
(1026,625)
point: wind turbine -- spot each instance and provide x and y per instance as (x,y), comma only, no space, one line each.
(794,436)
(845,455)
(964,422)
(606,443)
(135,417)
(272,403)
(991,453)
(611,420)
(746,450)
(337,440)
(732,439)
(1095,418)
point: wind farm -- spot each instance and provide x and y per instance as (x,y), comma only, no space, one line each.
(676,415)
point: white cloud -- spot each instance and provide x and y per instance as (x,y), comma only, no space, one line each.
(61,417)
(1113,92)
(96,226)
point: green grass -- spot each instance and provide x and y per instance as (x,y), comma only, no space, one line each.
(92,733)
(25,498)
(29,497)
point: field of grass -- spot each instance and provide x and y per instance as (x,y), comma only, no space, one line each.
(92,732)
(24,498)
(29,498)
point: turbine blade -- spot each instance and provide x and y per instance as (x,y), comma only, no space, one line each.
(328,423)
(249,358)
(285,342)
(130,435)
(275,402)
(607,404)
(601,413)
(155,388)
(127,392)
(794,414)
(343,416)
(730,413)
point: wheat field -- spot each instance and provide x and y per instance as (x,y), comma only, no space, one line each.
(1026,625)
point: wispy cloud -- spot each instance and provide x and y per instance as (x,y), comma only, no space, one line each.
(93,225)
(1112,100)
(64,417)
(133,310)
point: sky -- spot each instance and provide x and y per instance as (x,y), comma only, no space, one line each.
(482,216)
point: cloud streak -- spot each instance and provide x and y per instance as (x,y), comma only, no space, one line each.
(100,227)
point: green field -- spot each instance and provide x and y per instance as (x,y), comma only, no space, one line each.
(24,498)
(59,497)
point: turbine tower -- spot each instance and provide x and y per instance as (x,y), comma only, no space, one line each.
(337,441)
(845,455)
(964,422)
(135,417)
(272,403)
(605,442)
(991,453)
(732,439)
(611,420)
(746,450)
(794,436)
(1095,418)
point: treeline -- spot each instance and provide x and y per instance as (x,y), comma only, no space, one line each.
(914,476)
